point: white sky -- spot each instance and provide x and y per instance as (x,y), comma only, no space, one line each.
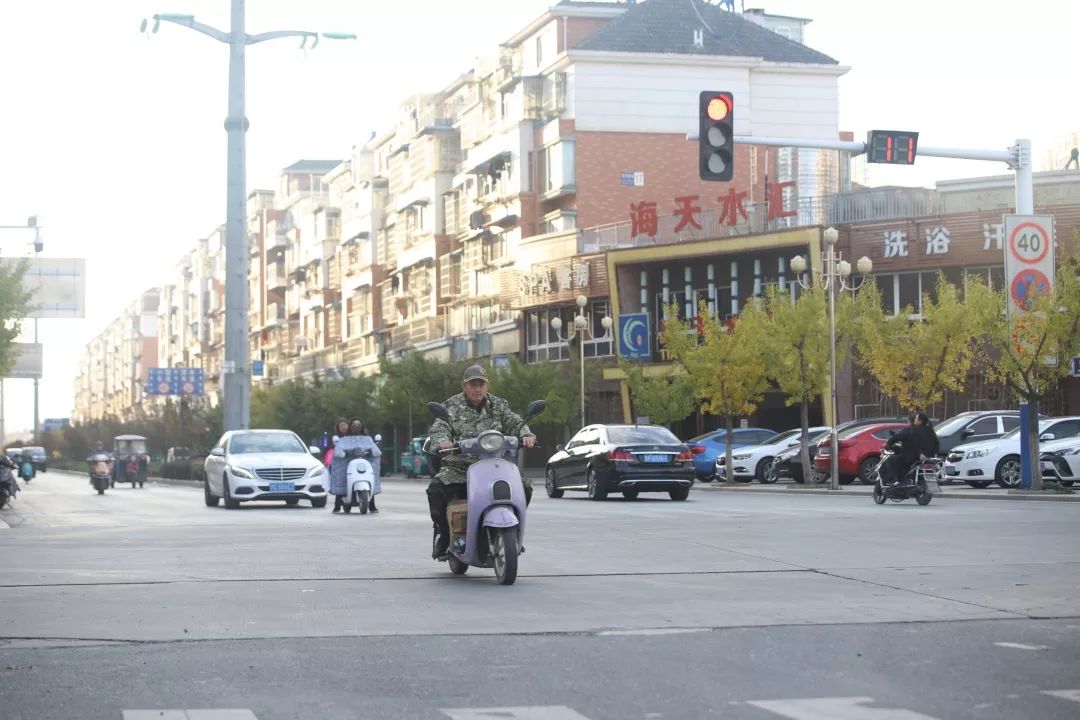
(115,140)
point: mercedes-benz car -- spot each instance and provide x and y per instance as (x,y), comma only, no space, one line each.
(629,459)
(249,465)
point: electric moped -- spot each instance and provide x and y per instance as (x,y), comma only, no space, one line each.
(492,532)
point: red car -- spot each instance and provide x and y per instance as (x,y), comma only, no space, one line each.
(860,450)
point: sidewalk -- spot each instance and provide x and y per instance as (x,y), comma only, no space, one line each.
(955,491)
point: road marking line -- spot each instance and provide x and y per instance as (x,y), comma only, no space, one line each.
(189,715)
(653,631)
(837,708)
(1021,646)
(535,712)
(1073,695)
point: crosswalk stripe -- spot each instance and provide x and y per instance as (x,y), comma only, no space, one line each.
(535,712)
(1073,695)
(189,715)
(837,708)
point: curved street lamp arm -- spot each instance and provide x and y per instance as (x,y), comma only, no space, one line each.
(275,34)
(191,22)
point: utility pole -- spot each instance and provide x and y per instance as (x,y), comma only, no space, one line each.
(235,369)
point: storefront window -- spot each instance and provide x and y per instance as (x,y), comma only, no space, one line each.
(542,342)
(603,347)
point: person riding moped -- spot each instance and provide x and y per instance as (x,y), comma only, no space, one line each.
(472,411)
(917,441)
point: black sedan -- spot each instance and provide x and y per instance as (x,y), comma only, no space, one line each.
(630,459)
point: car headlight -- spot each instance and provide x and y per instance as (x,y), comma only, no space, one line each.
(316,471)
(491,441)
(241,472)
(744,456)
(1069,451)
(972,454)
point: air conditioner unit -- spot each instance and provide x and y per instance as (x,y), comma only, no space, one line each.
(477,218)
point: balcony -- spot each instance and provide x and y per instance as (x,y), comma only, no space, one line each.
(276,278)
(416,332)
(834,209)
(276,242)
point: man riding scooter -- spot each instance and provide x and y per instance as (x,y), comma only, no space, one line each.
(472,411)
(916,441)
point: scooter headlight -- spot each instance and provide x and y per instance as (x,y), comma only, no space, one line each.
(491,441)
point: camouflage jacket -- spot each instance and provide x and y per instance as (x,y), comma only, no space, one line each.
(466,421)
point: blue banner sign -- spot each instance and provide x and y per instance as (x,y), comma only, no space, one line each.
(175,381)
(635,339)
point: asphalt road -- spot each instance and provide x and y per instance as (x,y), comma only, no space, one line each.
(732,605)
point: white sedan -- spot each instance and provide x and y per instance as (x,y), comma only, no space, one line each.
(756,461)
(998,460)
(248,465)
(1061,460)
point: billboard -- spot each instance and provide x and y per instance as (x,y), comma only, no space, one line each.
(57,286)
(175,381)
(27,360)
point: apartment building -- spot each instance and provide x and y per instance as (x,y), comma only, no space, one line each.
(114,367)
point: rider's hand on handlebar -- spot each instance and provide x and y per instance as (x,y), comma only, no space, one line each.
(445,445)
(528,441)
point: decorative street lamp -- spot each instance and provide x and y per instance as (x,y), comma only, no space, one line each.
(837,274)
(582,326)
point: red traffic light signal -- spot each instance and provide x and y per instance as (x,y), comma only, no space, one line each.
(716,135)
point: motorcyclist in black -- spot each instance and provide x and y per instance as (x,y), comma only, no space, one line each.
(916,441)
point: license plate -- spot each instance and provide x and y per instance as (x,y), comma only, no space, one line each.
(656,458)
(950,471)
(282,487)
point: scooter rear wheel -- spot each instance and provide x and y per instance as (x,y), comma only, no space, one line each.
(504,548)
(457,567)
(924,498)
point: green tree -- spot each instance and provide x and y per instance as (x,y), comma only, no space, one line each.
(663,399)
(917,358)
(725,365)
(408,385)
(520,384)
(14,304)
(1031,351)
(798,357)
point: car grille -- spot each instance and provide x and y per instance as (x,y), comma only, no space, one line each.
(280,474)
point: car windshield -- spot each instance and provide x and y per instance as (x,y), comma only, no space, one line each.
(631,435)
(266,443)
(131,446)
(948,427)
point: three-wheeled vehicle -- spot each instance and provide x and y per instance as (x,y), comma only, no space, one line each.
(413,462)
(131,460)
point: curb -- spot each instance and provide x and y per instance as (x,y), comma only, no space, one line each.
(1021,495)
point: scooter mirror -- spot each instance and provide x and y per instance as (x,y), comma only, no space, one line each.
(535,408)
(438,410)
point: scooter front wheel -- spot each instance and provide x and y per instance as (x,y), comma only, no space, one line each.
(504,549)
(457,567)
(879,494)
(362,499)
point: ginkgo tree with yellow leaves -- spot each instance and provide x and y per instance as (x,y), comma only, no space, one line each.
(915,358)
(724,363)
(1031,351)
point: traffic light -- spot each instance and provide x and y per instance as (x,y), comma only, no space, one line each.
(716,135)
(893,147)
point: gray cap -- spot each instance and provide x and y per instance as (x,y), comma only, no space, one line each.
(474,372)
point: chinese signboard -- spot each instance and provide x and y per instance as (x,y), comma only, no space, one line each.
(730,209)
(545,280)
(634,341)
(1029,258)
(175,381)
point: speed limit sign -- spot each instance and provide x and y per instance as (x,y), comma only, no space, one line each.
(1029,258)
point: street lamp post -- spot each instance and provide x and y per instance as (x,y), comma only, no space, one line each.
(836,275)
(235,370)
(582,328)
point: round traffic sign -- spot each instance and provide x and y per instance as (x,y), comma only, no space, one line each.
(1027,285)
(1029,242)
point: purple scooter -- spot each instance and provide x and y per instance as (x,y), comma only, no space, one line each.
(495,520)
